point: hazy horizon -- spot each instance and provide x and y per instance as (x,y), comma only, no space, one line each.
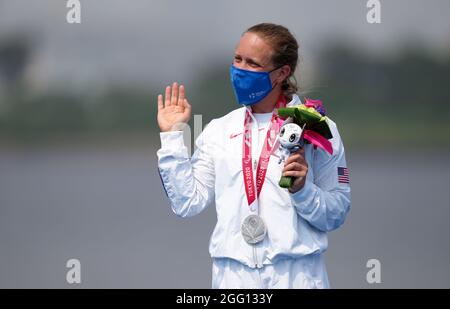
(156,42)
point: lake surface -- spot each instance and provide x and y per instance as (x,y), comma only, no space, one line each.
(107,208)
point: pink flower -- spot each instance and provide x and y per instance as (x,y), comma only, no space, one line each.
(316,104)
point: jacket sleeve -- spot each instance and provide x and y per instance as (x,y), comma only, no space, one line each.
(188,182)
(325,202)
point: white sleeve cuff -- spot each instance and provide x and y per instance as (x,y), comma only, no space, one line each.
(171,139)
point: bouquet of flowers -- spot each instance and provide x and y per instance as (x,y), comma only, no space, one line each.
(304,123)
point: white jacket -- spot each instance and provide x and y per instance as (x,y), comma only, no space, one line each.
(296,223)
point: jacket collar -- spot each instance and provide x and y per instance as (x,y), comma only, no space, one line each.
(295,101)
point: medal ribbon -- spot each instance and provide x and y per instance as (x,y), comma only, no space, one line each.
(264,158)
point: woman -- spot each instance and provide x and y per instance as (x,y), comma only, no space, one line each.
(234,166)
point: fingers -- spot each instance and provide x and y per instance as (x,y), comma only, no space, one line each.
(167,96)
(181,96)
(294,166)
(295,158)
(295,169)
(298,156)
(182,99)
(174,99)
(160,102)
(295,174)
(174,95)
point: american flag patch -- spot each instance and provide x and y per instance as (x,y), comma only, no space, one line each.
(343,175)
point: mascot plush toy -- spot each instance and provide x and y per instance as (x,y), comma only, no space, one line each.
(304,123)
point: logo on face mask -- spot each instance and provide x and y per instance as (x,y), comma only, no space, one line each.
(256,95)
(250,87)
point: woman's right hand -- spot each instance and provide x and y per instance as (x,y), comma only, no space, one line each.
(175,110)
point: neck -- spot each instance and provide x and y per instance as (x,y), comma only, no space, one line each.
(268,103)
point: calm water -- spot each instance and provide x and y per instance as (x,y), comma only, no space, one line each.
(107,208)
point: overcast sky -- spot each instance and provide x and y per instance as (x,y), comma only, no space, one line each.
(158,41)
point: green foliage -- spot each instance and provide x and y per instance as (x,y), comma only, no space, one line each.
(401,100)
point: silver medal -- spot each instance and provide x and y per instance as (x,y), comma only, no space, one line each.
(253,229)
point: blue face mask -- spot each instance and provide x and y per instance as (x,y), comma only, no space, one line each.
(250,87)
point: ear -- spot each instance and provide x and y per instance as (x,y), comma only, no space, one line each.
(284,73)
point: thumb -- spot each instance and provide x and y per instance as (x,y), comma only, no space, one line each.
(187,105)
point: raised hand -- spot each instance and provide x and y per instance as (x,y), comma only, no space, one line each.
(174,110)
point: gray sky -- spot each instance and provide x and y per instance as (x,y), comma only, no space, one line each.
(143,41)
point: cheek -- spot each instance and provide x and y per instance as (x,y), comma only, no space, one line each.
(275,77)
(238,64)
